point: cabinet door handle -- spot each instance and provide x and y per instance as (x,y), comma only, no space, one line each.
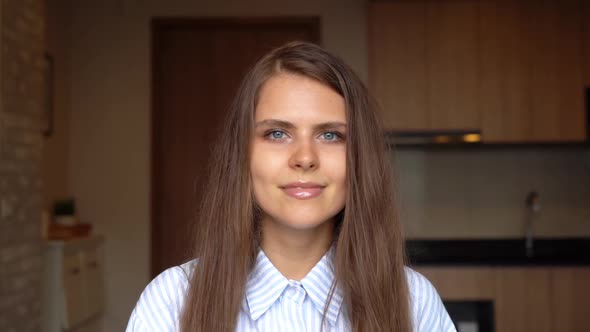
(75,270)
(92,264)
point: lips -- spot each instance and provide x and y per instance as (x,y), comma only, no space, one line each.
(303,190)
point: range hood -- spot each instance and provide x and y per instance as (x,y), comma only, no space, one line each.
(433,137)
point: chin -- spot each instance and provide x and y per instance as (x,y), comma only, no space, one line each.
(302,221)
(304,225)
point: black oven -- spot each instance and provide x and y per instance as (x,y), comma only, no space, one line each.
(471,316)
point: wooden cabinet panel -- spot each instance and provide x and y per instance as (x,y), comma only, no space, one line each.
(525,298)
(465,283)
(571,294)
(523,301)
(513,69)
(558,112)
(505,93)
(424,64)
(531,83)
(452,64)
(397,63)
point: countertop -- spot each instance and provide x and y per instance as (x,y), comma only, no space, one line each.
(508,252)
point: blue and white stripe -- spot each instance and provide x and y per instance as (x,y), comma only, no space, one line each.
(274,303)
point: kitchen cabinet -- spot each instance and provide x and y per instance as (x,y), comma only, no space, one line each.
(466,283)
(547,298)
(523,299)
(452,65)
(531,78)
(73,288)
(397,63)
(72,285)
(510,69)
(505,95)
(571,293)
(423,64)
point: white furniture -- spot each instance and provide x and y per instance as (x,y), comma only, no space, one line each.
(73,285)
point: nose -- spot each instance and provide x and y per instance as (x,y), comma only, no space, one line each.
(304,157)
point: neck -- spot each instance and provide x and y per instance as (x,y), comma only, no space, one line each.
(294,252)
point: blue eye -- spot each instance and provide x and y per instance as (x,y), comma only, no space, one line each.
(331,136)
(276,135)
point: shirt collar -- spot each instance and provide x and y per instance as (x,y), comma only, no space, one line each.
(266,284)
(317,284)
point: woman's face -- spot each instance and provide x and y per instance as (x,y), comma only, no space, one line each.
(298,156)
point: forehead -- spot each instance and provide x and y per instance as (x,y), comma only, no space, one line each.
(295,98)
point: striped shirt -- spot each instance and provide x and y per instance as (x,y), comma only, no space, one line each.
(274,303)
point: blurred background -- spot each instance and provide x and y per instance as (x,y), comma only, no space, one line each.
(108,110)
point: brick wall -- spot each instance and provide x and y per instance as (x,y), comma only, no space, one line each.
(21,106)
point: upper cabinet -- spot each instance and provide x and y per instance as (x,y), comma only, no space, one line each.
(452,65)
(397,63)
(531,78)
(510,69)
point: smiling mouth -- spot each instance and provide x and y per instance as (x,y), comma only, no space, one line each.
(303,189)
(303,193)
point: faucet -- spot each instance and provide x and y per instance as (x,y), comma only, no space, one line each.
(533,206)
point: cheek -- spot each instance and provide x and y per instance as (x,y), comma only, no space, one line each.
(264,165)
(335,166)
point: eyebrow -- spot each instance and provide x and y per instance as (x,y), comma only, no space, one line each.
(289,125)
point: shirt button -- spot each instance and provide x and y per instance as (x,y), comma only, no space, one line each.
(295,291)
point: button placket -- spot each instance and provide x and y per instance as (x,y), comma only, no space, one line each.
(295,292)
(293,298)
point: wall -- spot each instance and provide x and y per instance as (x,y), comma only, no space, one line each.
(56,146)
(110,123)
(21,106)
(466,193)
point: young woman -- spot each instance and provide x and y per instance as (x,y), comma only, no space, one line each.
(298,230)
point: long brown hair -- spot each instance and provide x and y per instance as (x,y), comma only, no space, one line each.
(369,260)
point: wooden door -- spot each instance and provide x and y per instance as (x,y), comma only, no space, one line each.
(197,65)
(586,43)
